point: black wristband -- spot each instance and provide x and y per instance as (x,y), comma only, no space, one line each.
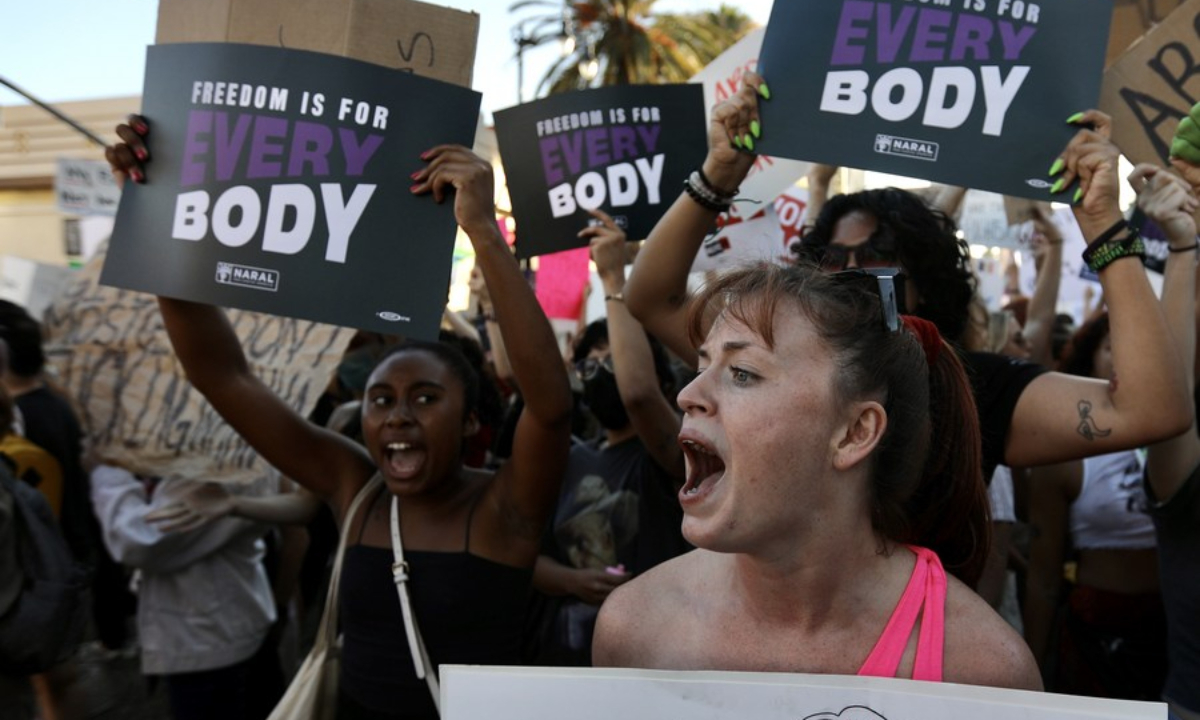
(1189,248)
(1110,233)
(715,190)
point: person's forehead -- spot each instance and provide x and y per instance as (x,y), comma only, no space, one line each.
(854,228)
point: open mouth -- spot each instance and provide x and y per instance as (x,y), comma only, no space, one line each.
(403,460)
(704,468)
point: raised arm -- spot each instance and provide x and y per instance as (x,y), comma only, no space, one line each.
(1060,417)
(212,357)
(1170,463)
(1047,249)
(657,290)
(526,486)
(651,414)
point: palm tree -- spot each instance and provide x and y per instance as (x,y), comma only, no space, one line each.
(622,42)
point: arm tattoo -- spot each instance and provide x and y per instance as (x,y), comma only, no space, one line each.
(1087,425)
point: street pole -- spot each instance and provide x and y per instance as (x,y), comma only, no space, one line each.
(55,112)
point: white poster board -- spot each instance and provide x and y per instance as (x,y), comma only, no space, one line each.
(86,187)
(510,693)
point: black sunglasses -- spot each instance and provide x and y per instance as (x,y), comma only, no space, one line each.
(887,284)
(877,252)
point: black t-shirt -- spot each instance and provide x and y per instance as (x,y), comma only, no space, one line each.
(997,382)
(616,507)
(1177,527)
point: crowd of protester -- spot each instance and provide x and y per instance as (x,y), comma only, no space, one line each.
(791,471)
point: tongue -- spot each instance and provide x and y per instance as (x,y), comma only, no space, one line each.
(405,463)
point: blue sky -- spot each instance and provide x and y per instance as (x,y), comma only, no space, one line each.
(61,50)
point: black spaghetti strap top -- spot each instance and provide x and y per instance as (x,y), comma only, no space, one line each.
(470,610)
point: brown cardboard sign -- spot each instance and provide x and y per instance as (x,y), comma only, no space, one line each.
(111,354)
(417,37)
(1153,85)
(1133,18)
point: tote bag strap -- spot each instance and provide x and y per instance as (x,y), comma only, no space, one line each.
(327,631)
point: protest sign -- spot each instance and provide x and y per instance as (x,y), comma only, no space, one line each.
(984,220)
(971,93)
(1150,88)
(86,187)
(605,693)
(766,236)
(623,149)
(110,352)
(1131,19)
(416,37)
(721,78)
(559,283)
(280,183)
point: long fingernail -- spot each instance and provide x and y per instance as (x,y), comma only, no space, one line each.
(764,91)
(737,141)
(414,188)
(1078,196)
(1057,167)
(1057,187)
(748,142)
(425,155)
(1075,118)
(137,176)
(755,128)
(415,175)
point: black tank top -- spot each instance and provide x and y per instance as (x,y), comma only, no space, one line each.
(470,610)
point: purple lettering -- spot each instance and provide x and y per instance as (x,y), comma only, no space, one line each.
(229,142)
(266,147)
(572,146)
(649,136)
(929,43)
(1014,42)
(311,143)
(844,51)
(596,142)
(357,156)
(891,35)
(550,163)
(199,125)
(624,142)
(971,33)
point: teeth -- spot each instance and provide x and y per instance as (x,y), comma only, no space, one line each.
(399,446)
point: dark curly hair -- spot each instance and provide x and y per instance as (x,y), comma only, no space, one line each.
(1079,357)
(927,247)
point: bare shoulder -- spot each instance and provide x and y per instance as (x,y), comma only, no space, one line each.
(638,619)
(983,649)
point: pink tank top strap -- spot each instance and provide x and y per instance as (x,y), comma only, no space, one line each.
(925,595)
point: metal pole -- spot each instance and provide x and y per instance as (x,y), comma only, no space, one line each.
(55,112)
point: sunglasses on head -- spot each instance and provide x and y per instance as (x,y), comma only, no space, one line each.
(886,283)
(587,368)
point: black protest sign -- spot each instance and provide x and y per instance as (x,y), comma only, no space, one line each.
(279,182)
(625,150)
(964,92)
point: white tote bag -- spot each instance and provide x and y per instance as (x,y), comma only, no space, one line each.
(312,695)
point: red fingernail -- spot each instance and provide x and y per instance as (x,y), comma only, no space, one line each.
(137,176)
(415,175)
(414,188)
(140,128)
(141,153)
(425,155)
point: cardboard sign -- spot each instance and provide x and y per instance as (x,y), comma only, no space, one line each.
(721,78)
(1152,87)
(1133,18)
(623,149)
(111,353)
(280,183)
(416,37)
(86,187)
(971,93)
(605,693)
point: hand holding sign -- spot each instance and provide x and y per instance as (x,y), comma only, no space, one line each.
(1092,158)
(1185,149)
(1168,201)
(454,167)
(127,157)
(607,242)
(734,127)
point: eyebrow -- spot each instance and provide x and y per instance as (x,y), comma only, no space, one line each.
(418,385)
(728,347)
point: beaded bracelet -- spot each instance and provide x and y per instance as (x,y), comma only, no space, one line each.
(1100,255)
(704,195)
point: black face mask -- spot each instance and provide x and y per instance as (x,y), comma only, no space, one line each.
(604,400)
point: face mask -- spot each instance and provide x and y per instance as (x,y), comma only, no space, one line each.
(604,400)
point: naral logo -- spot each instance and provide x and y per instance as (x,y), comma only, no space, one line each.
(246,276)
(906,147)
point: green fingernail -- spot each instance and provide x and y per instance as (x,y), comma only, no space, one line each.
(1057,187)
(737,141)
(1075,118)
(1057,167)
(764,91)
(1078,196)
(748,142)
(755,128)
